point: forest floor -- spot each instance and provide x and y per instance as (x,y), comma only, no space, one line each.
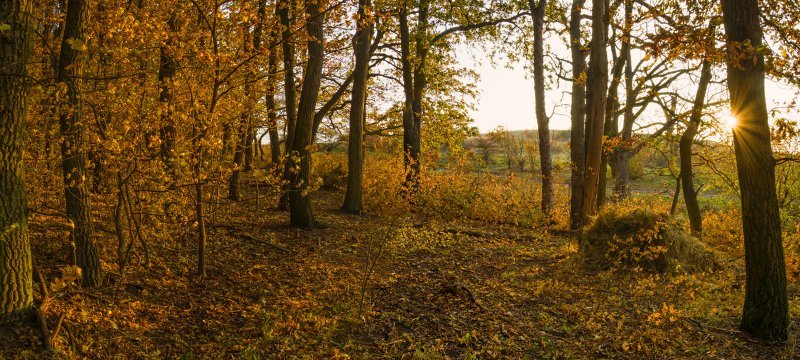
(369,287)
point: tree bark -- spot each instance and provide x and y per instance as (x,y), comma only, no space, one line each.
(598,66)
(578,115)
(166,71)
(16,45)
(78,209)
(765,311)
(410,133)
(290,91)
(300,213)
(687,177)
(543,123)
(355,148)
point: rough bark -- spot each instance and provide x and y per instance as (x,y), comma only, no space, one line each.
(300,213)
(598,66)
(545,156)
(355,147)
(16,44)
(765,311)
(578,115)
(78,207)
(687,138)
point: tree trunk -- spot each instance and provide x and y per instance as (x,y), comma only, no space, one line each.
(355,147)
(166,71)
(300,213)
(765,311)
(70,70)
(687,177)
(290,91)
(272,112)
(598,66)
(545,157)
(578,115)
(413,87)
(624,152)
(16,44)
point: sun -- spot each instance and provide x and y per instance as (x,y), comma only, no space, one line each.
(729,120)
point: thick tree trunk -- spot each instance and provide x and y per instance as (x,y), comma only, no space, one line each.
(598,66)
(290,92)
(765,311)
(70,69)
(355,147)
(545,156)
(300,213)
(16,44)
(687,177)
(578,117)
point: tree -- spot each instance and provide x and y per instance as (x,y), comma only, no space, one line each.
(355,150)
(765,310)
(70,71)
(595,117)
(300,213)
(577,152)
(16,284)
(687,139)
(538,12)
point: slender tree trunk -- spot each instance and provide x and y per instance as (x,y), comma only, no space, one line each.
(290,91)
(299,202)
(598,66)
(624,152)
(410,154)
(272,112)
(70,69)
(687,177)
(166,71)
(545,156)
(765,311)
(355,147)
(16,45)
(578,115)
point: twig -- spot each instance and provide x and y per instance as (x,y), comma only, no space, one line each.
(40,310)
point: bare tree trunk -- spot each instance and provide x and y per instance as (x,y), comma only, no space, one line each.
(765,311)
(16,45)
(598,66)
(355,147)
(545,156)
(70,70)
(300,213)
(578,115)
(290,91)
(166,71)
(687,177)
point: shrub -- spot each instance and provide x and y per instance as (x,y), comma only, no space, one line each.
(636,238)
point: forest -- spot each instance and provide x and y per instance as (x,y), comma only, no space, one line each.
(258,179)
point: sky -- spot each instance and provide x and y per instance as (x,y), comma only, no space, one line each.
(506,95)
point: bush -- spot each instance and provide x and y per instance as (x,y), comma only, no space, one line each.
(630,237)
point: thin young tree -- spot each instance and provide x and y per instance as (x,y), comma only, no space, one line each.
(543,122)
(765,310)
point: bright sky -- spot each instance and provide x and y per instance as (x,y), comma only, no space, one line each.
(506,95)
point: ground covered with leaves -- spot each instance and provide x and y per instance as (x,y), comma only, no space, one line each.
(386,287)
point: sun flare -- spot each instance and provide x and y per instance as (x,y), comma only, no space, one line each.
(729,120)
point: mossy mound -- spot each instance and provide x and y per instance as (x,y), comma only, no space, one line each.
(633,237)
